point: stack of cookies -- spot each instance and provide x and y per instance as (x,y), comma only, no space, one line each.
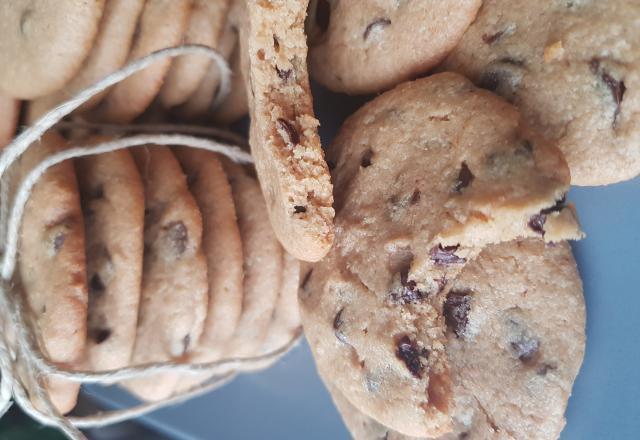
(53,51)
(148,255)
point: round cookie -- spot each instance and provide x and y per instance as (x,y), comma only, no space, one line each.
(52,265)
(44,43)
(201,100)
(108,53)
(112,198)
(514,322)
(173,302)
(375,44)
(221,245)
(162,24)
(426,176)
(205,26)
(573,69)
(432,171)
(10,111)
(262,264)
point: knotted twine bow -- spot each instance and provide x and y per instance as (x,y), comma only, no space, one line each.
(23,368)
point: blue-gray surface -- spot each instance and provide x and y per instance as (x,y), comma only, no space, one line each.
(289,402)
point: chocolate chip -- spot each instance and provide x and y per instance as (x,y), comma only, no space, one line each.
(291,131)
(616,87)
(99,335)
(465,177)
(492,38)
(377,23)
(407,292)
(276,44)
(185,343)
(536,223)
(365,161)
(299,209)
(58,242)
(443,256)
(178,236)
(502,77)
(456,311)
(96,286)
(337,327)
(443,118)
(512,61)
(525,348)
(284,74)
(415,197)
(414,358)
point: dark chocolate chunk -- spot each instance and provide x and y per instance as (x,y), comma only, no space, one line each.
(465,177)
(526,349)
(99,335)
(536,223)
(178,236)
(616,87)
(96,286)
(337,327)
(379,22)
(292,133)
(415,197)
(456,311)
(407,293)
(284,74)
(299,209)
(58,242)
(443,256)
(414,358)
(365,161)
(492,38)
(276,44)
(503,77)
(185,343)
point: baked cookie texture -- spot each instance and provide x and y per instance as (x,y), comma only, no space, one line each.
(44,43)
(572,68)
(514,322)
(371,45)
(52,265)
(112,196)
(173,302)
(283,135)
(426,176)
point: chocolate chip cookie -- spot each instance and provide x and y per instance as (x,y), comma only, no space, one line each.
(52,265)
(514,324)
(284,137)
(112,197)
(573,69)
(440,168)
(173,303)
(44,43)
(372,45)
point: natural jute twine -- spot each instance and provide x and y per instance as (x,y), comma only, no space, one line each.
(23,368)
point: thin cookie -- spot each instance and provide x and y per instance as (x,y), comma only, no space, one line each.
(112,198)
(52,265)
(173,302)
(205,27)
(262,264)
(109,52)
(284,137)
(162,25)
(44,43)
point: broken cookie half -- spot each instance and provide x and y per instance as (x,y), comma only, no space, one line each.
(427,176)
(284,137)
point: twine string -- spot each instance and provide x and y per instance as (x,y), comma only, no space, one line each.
(23,368)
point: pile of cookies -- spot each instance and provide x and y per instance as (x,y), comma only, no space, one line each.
(440,298)
(54,50)
(147,255)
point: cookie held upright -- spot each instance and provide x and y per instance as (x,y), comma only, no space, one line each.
(284,132)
